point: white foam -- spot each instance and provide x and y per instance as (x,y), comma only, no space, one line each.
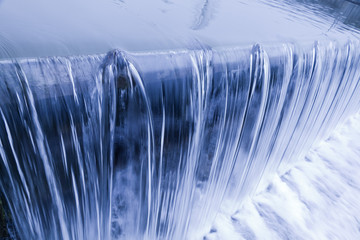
(318,198)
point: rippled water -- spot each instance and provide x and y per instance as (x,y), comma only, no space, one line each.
(59,28)
(161,144)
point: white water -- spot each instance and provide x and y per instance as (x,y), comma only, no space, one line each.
(318,198)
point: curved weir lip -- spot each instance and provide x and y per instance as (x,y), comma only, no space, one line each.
(153,65)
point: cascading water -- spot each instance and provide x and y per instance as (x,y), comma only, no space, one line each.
(209,132)
(154,146)
(177,134)
(57,151)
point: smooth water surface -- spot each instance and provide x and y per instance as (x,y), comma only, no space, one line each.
(60,28)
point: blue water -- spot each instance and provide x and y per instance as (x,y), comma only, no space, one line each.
(167,144)
(83,27)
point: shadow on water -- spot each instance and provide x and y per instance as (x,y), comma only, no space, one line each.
(7,228)
(345,11)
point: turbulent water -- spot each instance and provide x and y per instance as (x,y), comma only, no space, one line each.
(153,146)
(317,198)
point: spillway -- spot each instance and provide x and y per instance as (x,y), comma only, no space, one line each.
(205,141)
(171,138)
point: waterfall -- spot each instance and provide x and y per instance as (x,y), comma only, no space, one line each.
(154,145)
(57,147)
